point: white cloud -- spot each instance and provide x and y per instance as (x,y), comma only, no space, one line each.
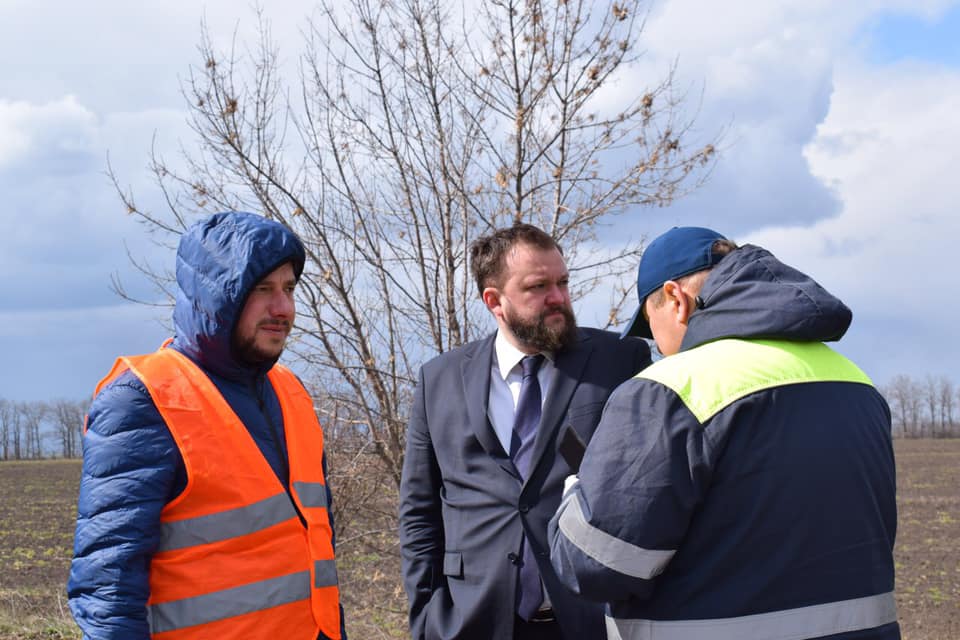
(888,149)
(846,168)
(57,133)
(64,226)
(767,73)
(841,168)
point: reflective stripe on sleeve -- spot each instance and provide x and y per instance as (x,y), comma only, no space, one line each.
(609,551)
(325,573)
(177,614)
(226,524)
(311,494)
(815,621)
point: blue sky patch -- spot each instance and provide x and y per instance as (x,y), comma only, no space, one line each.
(897,37)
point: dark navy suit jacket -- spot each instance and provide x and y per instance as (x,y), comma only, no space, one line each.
(464,507)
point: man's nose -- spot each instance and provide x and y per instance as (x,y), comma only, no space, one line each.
(555,295)
(282,305)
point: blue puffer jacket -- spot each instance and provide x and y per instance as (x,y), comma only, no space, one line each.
(132,467)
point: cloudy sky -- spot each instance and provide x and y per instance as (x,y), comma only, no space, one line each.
(842,125)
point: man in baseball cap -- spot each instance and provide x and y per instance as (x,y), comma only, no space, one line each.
(743,486)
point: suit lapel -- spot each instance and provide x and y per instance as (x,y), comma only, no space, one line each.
(569,366)
(475,371)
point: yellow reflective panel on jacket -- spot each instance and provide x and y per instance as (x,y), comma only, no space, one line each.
(712,376)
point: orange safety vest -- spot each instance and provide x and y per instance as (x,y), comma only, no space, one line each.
(234,560)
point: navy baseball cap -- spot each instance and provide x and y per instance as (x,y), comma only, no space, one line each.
(677,253)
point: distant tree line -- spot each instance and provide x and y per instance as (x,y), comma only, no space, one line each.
(34,430)
(926,408)
(921,408)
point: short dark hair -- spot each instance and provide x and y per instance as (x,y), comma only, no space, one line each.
(488,253)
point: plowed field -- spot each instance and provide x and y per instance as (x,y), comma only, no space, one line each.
(38,507)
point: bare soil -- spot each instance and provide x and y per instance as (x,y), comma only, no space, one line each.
(38,508)
(928,538)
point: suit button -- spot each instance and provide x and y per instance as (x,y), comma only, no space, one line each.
(513,558)
(524,508)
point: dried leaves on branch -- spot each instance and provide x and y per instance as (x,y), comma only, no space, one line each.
(405,130)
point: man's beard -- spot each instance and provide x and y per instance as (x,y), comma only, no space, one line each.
(246,350)
(537,335)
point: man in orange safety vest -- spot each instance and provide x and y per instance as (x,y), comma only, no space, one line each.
(204,510)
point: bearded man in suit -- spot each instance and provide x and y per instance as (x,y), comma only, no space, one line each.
(483,473)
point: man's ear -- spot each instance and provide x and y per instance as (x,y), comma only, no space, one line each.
(681,305)
(491,298)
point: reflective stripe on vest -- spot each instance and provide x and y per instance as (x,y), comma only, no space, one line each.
(169,616)
(226,524)
(815,621)
(712,376)
(188,612)
(239,521)
(234,558)
(312,494)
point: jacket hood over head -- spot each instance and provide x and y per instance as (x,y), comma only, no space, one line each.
(751,294)
(219,260)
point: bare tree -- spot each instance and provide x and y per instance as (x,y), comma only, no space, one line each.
(956,427)
(411,129)
(931,398)
(13,425)
(923,409)
(9,427)
(945,400)
(67,417)
(32,415)
(904,398)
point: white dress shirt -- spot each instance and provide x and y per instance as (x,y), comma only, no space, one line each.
(506,376)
